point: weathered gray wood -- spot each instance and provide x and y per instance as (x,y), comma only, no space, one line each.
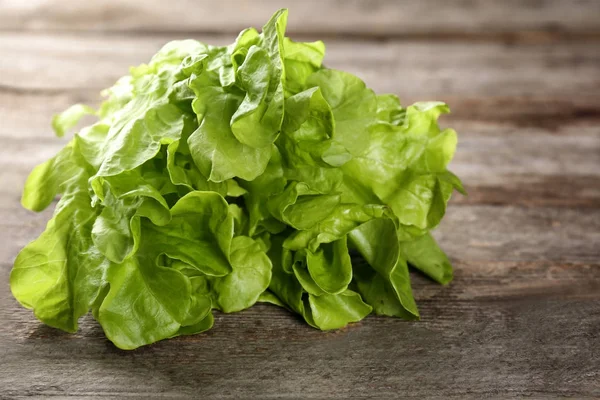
(522,317)
(533,190)
(514,165)
(541,85)
(27,113)
(62,62)
(468,232)
(556,88)
(366,17)
(489,233)
(501,330)
(499,164)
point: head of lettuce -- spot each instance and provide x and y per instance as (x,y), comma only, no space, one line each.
(216,177)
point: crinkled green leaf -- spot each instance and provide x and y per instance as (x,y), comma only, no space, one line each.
(424,254)
(377,242)
(421,118)
(305,279)
(306,141)
(240,123)
(284,285)
(268,297)
(140,140)
(354,109)
(330,266)
(200,305)
(249,278)
(116,230)
(334,311)
(389,109)
(60,274)
(202,326)
(184,53)
(301,59)
(405,168)
(258,119)
(325,311)
(339,223)
(259,191)
(200,233)
(213,146)
(145,303)
(300,207)
(182,170)
(69,118)
(89,145)
(44,182)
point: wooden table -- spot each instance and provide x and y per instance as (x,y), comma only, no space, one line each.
(522,317)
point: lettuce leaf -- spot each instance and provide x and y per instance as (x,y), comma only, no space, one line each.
(215,177)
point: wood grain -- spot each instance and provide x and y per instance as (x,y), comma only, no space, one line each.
(331,17)
(527,85)
(54,63)
(522,317)
(512,149)
(500,165)
(468,232)
(501,330)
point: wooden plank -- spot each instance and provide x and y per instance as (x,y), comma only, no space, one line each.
(514,268)
(330,17)
(533,191)
(513,233)
(500,330)
(468,232)
(61,62)
(27,113)
(499,164)
(515,165)
(527,85)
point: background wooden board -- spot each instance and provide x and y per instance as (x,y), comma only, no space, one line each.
(522,317)
(381,18)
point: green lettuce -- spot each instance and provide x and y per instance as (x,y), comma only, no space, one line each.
(217,177)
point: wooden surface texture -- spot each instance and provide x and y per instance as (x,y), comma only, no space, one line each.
(522,316)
